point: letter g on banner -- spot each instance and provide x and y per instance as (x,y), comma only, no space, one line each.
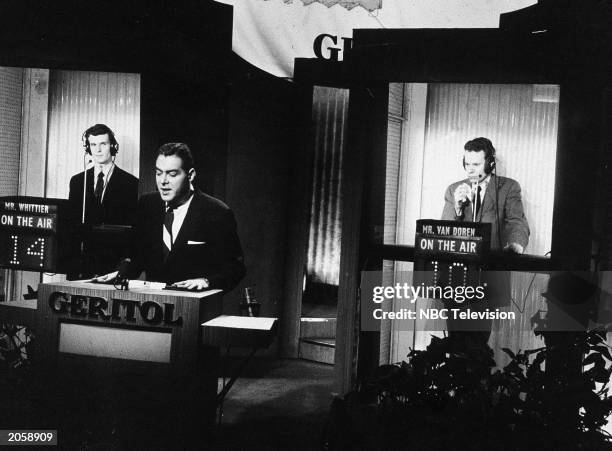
(334,52)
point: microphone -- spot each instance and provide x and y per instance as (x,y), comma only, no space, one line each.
(86,161)
(462,203)
(473,198)
(123,268)
(122,271)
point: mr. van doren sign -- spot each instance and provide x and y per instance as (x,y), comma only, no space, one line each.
(452,240)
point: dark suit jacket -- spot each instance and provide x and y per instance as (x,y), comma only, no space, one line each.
(512,222)
(207,244)
(118,204)
(508,207)
(102,251)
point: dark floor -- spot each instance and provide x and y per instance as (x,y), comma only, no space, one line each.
(275,405)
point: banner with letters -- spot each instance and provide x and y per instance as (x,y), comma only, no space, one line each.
(270,34)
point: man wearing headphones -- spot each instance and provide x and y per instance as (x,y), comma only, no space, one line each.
(486,197)
(111,195)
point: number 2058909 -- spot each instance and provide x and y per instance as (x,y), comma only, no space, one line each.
(28,437)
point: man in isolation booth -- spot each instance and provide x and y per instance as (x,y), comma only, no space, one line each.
(110,198)
(486,197)
(182,236)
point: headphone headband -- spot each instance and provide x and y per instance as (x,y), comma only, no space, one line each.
(482,144)
(489,164)
(97,130)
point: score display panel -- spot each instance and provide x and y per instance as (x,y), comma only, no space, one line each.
(450,253)
(33,232)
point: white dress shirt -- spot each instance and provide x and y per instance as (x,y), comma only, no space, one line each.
(179,217)
(483,189)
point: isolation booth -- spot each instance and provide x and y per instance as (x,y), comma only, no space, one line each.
(424,93)
(141,333)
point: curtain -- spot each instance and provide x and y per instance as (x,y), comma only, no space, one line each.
(395,125)
(329,113)
(11,93)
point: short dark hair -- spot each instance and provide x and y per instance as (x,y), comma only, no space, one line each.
(181,150)
(481,145)
(97,130)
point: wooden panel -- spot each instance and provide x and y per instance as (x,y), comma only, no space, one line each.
(297,233)
(363,106)
(318,327)
(193,308)
(321,351)
(9,313)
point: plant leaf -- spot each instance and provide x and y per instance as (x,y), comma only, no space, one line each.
(604,350)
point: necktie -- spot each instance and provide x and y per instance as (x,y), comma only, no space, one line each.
(99,187)
(478,201)
(168,220)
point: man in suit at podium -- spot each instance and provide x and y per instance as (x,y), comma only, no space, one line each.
(110,198)
(186,238)
(183,236)
(486,197)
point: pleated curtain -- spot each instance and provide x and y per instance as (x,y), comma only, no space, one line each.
(329,115)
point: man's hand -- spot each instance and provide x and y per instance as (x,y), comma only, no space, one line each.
(514,248)
(106,277)
(193,284)
(462,196)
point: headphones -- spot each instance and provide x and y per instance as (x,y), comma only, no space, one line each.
(482,145)
(100,129)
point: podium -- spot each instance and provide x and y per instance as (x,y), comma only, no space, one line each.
(450,253)
(451,257)
(142,326)
(119,362)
